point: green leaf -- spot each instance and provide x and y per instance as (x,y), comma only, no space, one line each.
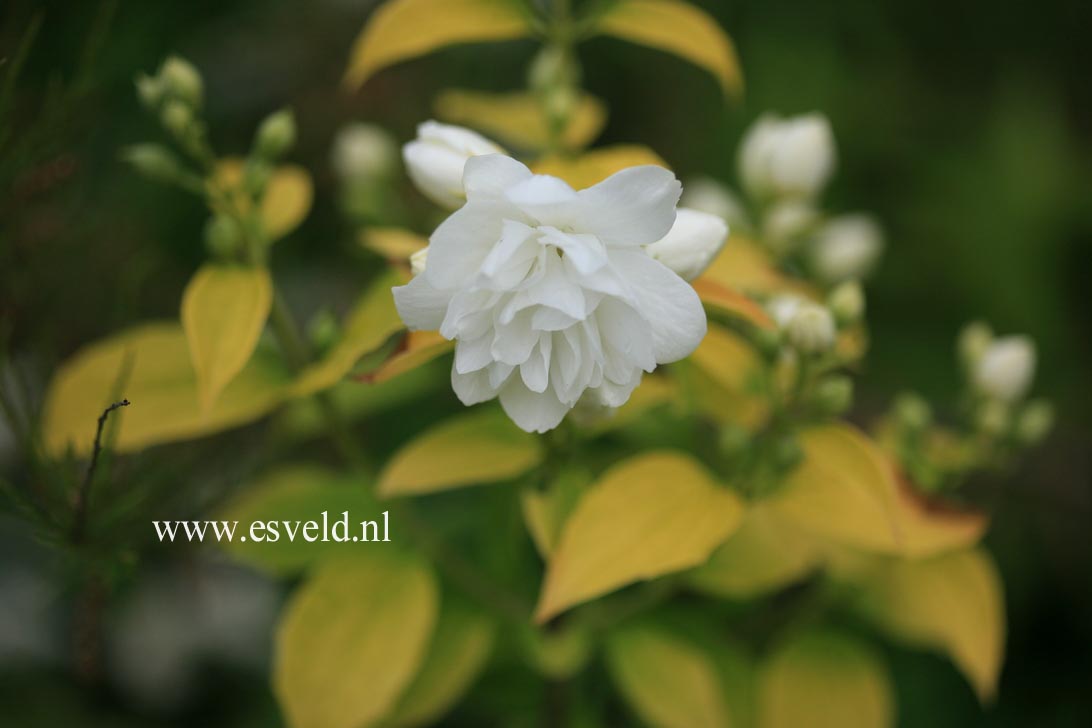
(372,321)
(952,603)
(224,309)
(481,446)
(678,28)
(352,639)
(648,516)
(460,648)
(293,493)
(844,491)
(545,511)
(150,365)
(763,555)
(667,681)
(824,680)
(403,29)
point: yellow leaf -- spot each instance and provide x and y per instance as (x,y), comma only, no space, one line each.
(150,365)
(372,321)
(952,603)
(352,638)
(648,516)
(394,244)
(732,303)
(545,511)
(519,120)
(224,309)
(596,165)
(654,391)
(844,491)
(668,682)
(824,680)
(763,555)
(482,446)
(460,647)
(420,347)
(287,199)
(745,266)
(733,370)
(678,28)
(294,493)
(931,527)
(403,29)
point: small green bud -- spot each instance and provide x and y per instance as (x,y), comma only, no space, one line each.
(1035,422)
(149,91)
(847,303)
(834,395)
(177,118)
(153,161)
(182,81)
(223,238)
(552,67)
(256,177)
(913,412)
(974,340)
(323,330)
(993,418)
(276,135)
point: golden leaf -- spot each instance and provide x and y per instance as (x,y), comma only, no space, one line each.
(592,167)
(420,347)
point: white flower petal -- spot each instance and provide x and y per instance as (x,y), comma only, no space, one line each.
(420,305)
(459,246)
(473,387)
(633,207)
(531,411)
(691,244)
(489,176)
(473,354)
(548,200)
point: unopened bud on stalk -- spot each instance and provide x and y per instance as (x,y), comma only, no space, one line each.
(149,91)
(973,341)
(786,223)
(176,118)
(435,160)
(276,135)
(847,303)
(812,330)
(323,330)
(846,247)
(787,157)
(1035,422)
(256,176)
(223,238)
(153,161)
(182,81)
(834,395)
(1005,369)
(913,412)
(363,151)
(993,417)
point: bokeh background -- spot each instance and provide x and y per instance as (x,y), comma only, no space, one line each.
(965,127)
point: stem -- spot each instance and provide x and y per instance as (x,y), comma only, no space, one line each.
(79,525)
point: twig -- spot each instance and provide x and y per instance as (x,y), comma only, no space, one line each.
(80,521)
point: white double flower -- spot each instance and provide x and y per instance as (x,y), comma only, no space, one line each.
(552,293)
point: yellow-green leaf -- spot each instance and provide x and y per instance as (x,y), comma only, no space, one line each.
(372,321)
(296,493)
(224,309)
(723,300)
(352,638)
(678,28)
(403,29)
(725,379)
(746,266)
(287,198)
(763,555)
(519,120)
(420,347)
(929,528)
(844,491)
(668,682)
(824,680)
(393,243)
(481,446)
(648,516)
(596,165)
(545,511)
(459,650)
(952,603)
(150,365)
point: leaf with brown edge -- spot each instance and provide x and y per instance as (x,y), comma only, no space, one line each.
(651,515)
(723,300)
(419,348)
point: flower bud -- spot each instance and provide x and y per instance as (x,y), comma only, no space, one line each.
(811,330)
(1035,422)
(783,308)
(1005,369)
(786,222)
(256,175)
(846,247)
(363,151)
(222,236)
(153,161)
(435,160)
(706,194)
(974,340)
(418,261)
(691,244)
(847,303)
(149,91)
(182,81)
(787,157)
(913,412)
(993,417)
(276,135)
(176,118)
(833,395)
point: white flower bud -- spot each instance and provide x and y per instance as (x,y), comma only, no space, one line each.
(691,244)
(362,151)
(418,261)
(1005,369)
(789,157)
(847,302)
(974,339)
(435,160)
(785,223)
(812,329)
(783,308)
(846,247)
(182,81)
(706,194)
